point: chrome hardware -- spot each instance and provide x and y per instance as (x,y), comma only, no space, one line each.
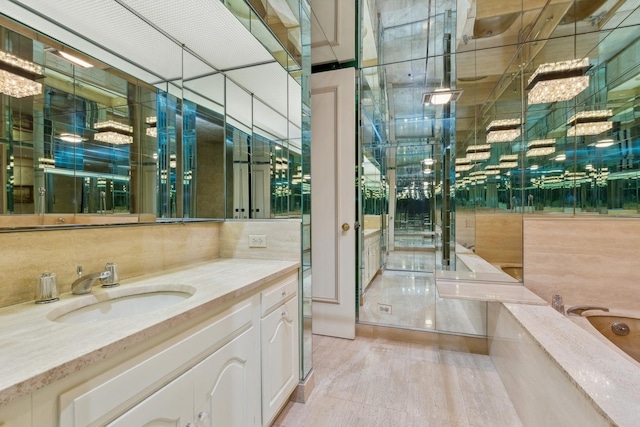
(620,328)
(47,290)
(202,416)
(284,313)
(112,280)
(557,303)
(345,227)
(284,293)
(577,310)
(83,284)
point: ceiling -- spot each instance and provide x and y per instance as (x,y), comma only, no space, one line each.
(493,42)
(162,42)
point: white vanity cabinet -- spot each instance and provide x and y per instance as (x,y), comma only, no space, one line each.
(221,388)
(16,413)
(172,405)
(280,346)
(236,367)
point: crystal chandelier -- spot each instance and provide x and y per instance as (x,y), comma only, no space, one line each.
(503,130)
(463,164)
(113,132)
(479,152)
(558,81)
(590,123)
(508,161)
(17,76)
(541,147)
(152,130)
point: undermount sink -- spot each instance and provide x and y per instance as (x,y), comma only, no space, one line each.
(115,305)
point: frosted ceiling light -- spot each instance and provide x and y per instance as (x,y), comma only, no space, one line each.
(503,130)
(590,123)
(558,81)
(441,96)
(71,137)
(604,143)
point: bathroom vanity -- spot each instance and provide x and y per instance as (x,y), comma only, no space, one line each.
(228,352)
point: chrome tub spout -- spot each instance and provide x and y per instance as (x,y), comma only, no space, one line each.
(577,310)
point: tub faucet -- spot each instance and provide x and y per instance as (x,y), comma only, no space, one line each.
(83,284)
(577,310)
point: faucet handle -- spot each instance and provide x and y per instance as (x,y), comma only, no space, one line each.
(79,270)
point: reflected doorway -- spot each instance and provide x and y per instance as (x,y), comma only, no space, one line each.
(402,292)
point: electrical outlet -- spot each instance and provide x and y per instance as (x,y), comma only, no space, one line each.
(257,240)
(384,308)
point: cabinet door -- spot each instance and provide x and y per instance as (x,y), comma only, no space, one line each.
(16,413)
(279,358)
(172,405)
(227,384)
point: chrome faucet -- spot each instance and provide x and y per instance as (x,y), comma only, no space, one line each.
(577,310)
(83,284)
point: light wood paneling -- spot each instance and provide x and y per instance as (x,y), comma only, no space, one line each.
(499,238)
(586,260)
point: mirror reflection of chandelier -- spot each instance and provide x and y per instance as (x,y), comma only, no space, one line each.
(558,81)
(541,147)
(113,132)
(590,123)
(503,130)
(17,76)
(479,152)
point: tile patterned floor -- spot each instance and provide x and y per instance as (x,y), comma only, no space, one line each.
(373,382)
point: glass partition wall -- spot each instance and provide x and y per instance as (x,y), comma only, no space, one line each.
(157,123)
(541,118)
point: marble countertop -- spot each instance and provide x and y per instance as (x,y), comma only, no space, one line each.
(36,351)
(610,380)
(488,291)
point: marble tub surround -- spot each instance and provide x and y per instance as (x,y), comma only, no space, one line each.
(137,249)
(587,260)
(556,373)
(37,351)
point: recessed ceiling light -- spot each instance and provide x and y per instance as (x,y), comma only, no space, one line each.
(603,143)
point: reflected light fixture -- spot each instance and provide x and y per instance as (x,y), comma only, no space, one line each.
(508,161)
(479,152)
(503,130)
(71,137)
(558,81)
(541,147)
(69,57)
(590,123)
(560,158)
(463,164)
(17,76)
(152,130)
(604,143)
(441,96)
(113,132)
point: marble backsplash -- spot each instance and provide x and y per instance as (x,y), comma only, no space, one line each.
(137,250)
(587,260)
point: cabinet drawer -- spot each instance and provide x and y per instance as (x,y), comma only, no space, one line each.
(278,293)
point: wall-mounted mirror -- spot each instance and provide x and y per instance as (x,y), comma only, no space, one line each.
(190,136)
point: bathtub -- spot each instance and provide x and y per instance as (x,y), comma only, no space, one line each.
(627,326)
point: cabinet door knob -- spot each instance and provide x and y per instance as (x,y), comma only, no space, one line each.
(203,416)
(284,293)
(345,227)
(284,313)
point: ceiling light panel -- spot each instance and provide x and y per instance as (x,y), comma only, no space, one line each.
(206,27)
(111,25)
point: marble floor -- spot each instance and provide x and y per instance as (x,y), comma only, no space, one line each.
(372,382)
